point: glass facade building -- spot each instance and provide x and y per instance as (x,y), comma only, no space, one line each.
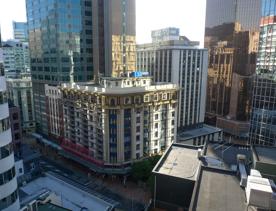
(20,31)
(55,28)
(263,119)
(114,35)
(231,35)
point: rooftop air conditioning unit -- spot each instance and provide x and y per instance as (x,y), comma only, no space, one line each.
(255,173)
(258,192)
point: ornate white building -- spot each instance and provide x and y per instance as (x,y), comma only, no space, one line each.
(118,121)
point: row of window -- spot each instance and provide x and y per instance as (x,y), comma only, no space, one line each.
(3,97)
(9,200)
(4,124)
(6,150)
(7,176)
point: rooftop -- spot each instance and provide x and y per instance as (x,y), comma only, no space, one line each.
(227,153)
(179,161)
(265,154)
(218,190)
(50,207)
(205,130)
(72,197)
(121,86)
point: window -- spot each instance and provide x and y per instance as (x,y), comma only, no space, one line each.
(138,138)
(156,134)
(138,119)
(3,97)
(156,125)
(138,129)
(88,13)
(15,116)
(173,114)
(16,126)
(4,124)
(156,117)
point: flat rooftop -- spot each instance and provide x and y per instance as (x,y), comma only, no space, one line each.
(219,190)
(266,154)
(51,207)
(205,130)
(179,161)
(73,198)
(227,153)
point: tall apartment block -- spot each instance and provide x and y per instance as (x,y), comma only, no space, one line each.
(20,93)
(16,59)
(114,37)
(231,35)
(20,31)
(55,29)
(263,117)
(111,124)
(8,183)
(182,62)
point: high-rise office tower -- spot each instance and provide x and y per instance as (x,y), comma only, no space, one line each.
(20,31)
(263,118)
(8,183)
(114,36)
(56,28)
(20,94)
(182,62)
(16,59)
(231,34)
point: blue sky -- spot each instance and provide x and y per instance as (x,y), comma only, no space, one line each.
(188,15)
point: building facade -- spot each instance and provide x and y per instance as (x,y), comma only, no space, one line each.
(56,28)
(114,37)
(166,34)
(118,121)
(20,93)
(16,130)
(16,58)
(8,184)
(179,62)
(54,110)
(231,35)
(20,31)
(263,118)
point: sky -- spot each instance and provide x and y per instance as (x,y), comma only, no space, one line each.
(188,15)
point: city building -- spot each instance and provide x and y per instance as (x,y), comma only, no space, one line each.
(54,110)
(166,34)
(114,37)
(214,177)
(181,62)
(16,130)
(263,117)
(109,125)
(264,160)
(8,184)
(20,31)
(60,193)
(68,31)
(16,58)
(200,136)
(20,93)
(231,35)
